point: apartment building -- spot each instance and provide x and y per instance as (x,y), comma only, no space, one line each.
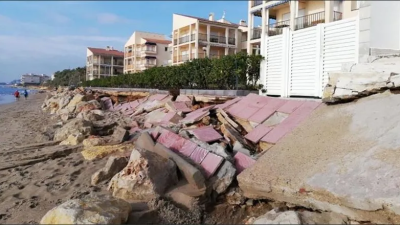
(276,15)
(144,50)
(103,62)
(195,37)
(34,79)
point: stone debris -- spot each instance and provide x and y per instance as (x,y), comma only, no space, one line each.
(274,217)
(91,210)
(185,150)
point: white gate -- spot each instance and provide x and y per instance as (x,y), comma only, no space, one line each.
(297,63)
(339,45)
(303,62)
(274,62)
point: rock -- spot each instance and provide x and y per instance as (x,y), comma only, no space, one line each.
(250,202)
(182,199)
(237,147)
(308,217)
(89,115)
(206,120)
(98,152)
(87,106)
(113,166)
(235,196)
(64,101)
(223,177)
(147,176)
(145,142)
(273,217)
(94,210)
(75,100)
(98,112)
(65,117)
(73,139)
(120,135)
(94,141)
(188,171)
(72,127)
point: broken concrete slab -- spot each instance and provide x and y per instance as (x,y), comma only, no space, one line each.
(191,174)
(206,134)
(120,135)
(145,141)
(223,178)
(177,107)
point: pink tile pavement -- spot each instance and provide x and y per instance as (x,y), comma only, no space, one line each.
(257,133)
(242,162)
(290,106)
(228,103)
(181,107)
(291,122)
(206,134)
(183,98)
(197,114)
(158,97)
(187,148)
(107,103)
(211,163)
(170,140)
(261,115)
(198,154)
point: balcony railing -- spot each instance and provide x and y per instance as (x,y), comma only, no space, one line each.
(255,33)
(214,56)
(184,39)
(129,54)
(309,20)
(218,39)
(118,63)
(202,37)
(175,41)
(192,37)
(149,50)
(183,58)
(257,2)
(277,28)
(337,16)
(232,41)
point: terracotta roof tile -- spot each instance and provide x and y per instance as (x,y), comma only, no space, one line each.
(158,41)
(209,21)
(101,51)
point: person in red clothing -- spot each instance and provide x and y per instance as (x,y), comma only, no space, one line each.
(16,94)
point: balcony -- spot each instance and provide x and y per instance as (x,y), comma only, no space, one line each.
(118,63)
(129,67)
(232,41)
(183,58)
(129,54)
(257,3)
(309,20)
(202,37)
(175,41)
(218,39)
(184,39)
(255,33)
(215,56)
(149,51)
(277,28)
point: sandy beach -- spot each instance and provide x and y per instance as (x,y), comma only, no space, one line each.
(28,192)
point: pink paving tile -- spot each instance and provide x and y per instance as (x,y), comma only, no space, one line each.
(134,129)
(290,106)
(117,107)
(266,111)
(206,134)
(257,133)
(291,122)
(187,148)
(246,112)
(168,116)
(242,162)
(211,163)
(125,106)
(134,104)
(169,139)
(183,98)
(181,107)
(198,154)
(158,97)
(197,114)
(228,103)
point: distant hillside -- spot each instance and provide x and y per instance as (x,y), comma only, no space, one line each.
(15,81)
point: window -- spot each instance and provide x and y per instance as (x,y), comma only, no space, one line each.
(166,49)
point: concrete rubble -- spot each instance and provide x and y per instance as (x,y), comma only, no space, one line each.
(185,150)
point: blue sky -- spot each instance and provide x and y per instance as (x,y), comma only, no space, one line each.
(43,37)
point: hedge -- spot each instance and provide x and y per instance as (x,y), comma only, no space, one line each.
(239,71)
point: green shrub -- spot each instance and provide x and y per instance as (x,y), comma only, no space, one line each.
(239,71)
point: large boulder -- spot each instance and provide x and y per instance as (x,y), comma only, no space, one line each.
(73,139)
(147,176)
(92,210)
(75,100)
(72,127)
(114,165)
(89,115)
(64,101)
(87,106)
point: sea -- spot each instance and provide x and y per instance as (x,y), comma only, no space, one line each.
(7,93)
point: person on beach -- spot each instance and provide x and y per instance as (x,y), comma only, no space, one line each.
(26,94)
(16,94)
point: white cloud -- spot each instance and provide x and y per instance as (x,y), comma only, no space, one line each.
(110,18)
(59,18)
